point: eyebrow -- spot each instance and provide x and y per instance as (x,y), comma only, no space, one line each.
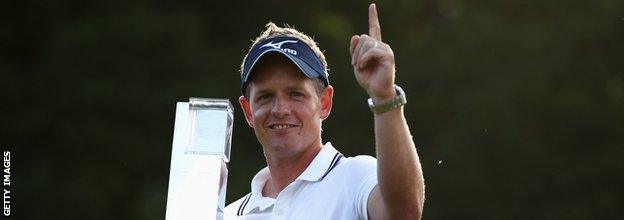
(289,88)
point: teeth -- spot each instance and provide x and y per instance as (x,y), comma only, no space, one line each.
(281,126)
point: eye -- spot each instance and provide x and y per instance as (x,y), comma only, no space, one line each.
(296,94)
(263,97)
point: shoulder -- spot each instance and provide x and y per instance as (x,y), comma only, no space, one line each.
(358,169)
(361,177)
(360,163)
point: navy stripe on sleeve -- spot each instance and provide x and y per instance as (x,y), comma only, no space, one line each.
(241,208)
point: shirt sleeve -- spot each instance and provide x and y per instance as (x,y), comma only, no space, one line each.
(231,209)
(360,179)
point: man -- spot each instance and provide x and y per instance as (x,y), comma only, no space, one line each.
(286,96)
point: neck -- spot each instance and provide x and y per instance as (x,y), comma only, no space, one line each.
(286,170)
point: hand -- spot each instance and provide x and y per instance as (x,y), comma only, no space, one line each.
(373,61)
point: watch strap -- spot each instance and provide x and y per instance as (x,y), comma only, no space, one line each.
(395,102)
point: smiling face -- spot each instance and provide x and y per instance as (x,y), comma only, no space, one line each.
(284,108)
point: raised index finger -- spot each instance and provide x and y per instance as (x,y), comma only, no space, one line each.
(374,30)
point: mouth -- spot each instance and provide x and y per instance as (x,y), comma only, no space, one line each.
(281,126)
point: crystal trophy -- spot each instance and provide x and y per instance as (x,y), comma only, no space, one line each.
(200,153)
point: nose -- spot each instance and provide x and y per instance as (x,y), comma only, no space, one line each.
(280,108)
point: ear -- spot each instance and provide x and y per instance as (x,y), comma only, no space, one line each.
(244,102)
(327,98)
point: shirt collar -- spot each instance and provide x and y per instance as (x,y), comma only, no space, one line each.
(257,200)
(324,161)
(322,164)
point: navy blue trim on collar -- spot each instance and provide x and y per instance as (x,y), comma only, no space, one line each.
(332,165)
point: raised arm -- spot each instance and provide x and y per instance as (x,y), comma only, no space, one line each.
(400,192)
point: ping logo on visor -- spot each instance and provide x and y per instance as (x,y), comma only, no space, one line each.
(292,48)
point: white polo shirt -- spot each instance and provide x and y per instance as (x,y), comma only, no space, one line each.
(332,187)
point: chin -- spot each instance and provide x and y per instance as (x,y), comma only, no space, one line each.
(283,148)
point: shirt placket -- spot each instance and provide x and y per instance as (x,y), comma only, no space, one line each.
(282,207)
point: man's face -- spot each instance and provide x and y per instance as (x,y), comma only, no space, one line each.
(284,108)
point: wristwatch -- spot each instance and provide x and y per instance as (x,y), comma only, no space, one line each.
(396,102)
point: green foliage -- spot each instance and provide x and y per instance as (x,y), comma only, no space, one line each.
(516,106)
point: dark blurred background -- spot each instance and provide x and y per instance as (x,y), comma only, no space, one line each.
(516,107)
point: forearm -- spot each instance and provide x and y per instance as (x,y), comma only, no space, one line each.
(399,172)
